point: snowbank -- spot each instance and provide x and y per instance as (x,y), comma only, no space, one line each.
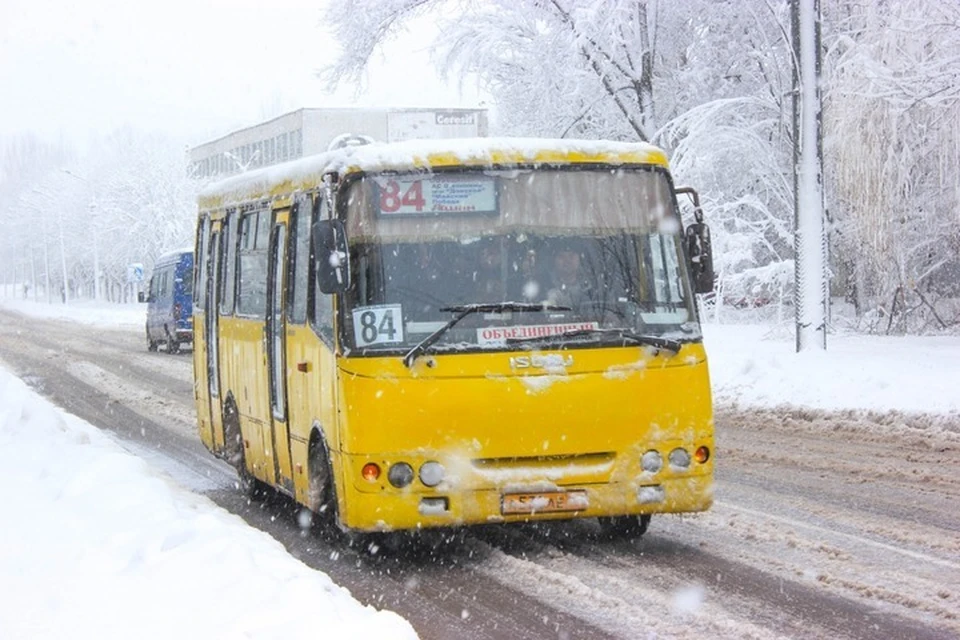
(96,544)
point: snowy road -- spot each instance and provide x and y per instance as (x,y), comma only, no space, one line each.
(826,525)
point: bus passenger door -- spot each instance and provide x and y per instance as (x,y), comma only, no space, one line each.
(276,352)
(212,337)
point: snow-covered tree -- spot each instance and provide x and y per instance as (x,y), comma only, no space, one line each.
(139,186)
(126,200)
(711,82)
(706,80)
(28,251)
(893,136)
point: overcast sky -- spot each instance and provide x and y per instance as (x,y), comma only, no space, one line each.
(196,68)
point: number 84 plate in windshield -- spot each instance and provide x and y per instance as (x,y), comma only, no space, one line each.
(378,324)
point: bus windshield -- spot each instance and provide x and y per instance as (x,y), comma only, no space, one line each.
(568,256)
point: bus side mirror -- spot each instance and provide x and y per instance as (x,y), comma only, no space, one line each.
(333,256)
(700,254)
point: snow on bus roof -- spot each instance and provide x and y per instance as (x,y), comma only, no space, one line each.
(414,154)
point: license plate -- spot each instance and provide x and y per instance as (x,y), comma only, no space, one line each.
(544,502)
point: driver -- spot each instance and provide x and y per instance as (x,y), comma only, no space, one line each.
(488,276)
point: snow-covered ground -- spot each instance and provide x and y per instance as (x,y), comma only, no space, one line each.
(755,365)
(98,544)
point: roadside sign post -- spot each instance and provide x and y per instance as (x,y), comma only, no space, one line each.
(135,277)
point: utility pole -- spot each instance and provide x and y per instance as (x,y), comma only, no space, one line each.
(810,240)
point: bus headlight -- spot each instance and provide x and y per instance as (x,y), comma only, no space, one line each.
(651,461)
(679,458)
(400,475)
(431,473)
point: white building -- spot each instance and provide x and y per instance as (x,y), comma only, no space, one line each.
(309,131)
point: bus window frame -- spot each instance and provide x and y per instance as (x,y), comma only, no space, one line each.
(228,285)
(343,324)
(328,334)
(258,209)
(303,208)
(200,274)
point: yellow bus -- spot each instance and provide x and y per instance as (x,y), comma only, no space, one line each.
(454,332)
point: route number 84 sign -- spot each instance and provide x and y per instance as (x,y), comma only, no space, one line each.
(451,195)
(377,324)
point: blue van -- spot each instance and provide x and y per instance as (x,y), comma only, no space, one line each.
(170,301)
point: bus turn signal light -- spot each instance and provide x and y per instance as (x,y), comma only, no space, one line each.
(702,454)
(370,472)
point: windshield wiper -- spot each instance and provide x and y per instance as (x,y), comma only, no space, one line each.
(463,310)
(624,335)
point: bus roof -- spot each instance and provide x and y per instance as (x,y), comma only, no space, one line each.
(306,173)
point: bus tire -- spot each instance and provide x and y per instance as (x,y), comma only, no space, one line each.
(322,495)
(628,527)
(234,452)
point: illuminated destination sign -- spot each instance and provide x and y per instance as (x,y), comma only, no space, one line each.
(436,196)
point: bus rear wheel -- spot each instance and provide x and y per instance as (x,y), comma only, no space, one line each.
(628,527)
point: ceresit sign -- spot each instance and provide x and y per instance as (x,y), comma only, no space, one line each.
(433,124)
(452,118)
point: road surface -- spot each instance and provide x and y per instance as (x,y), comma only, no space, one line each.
(826,525)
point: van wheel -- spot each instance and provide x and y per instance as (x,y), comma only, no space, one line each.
(234,452)
(626,527)
(321,496)
(173,346)
(151,345)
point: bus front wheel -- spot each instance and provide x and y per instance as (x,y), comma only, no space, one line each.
(322,498)
(629,527)
(233,450)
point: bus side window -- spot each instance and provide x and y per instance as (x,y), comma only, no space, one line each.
(252,289)
(299,277)
(322,302)
(200,265)
(229,267)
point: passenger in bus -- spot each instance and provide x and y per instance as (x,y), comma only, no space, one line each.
(568,287)
(527,286)
(488,276)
